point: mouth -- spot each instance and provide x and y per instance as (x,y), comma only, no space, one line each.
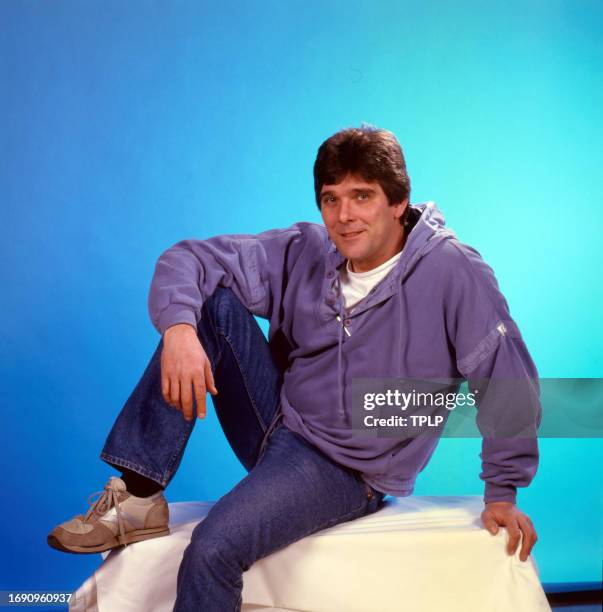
(350,235)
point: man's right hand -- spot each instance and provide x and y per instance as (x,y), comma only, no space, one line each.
(185,368)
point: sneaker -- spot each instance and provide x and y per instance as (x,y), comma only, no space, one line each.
(114,519)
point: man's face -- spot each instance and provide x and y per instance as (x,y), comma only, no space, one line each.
(364,227)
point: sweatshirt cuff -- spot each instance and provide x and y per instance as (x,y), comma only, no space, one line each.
(496,493)
(171,317)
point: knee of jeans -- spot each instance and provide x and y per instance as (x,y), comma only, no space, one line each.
(221,305)
(210,546)
(203,547)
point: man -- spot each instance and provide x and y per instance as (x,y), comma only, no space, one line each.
(383,290)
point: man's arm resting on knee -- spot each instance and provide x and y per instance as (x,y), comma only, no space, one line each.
(252,266)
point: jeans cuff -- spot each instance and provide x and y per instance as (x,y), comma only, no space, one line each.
(124,463)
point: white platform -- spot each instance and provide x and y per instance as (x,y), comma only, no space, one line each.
(417,554)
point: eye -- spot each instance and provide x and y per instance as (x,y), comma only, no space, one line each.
(363,195)
(328,199)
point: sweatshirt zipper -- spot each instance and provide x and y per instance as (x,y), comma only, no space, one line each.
(345,329)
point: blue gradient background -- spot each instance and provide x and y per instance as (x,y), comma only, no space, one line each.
(127,126)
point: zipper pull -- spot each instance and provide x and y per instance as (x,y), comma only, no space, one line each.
(345,329)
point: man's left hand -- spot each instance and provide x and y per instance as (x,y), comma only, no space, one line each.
(506,514)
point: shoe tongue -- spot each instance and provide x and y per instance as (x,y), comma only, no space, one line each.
(117,484)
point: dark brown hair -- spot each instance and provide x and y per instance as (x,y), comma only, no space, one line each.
(370,152)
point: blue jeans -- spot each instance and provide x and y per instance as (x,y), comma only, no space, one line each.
(291,490)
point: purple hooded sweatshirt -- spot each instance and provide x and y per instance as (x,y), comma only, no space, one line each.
(437,314)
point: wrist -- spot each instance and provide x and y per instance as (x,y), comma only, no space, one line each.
(179,329)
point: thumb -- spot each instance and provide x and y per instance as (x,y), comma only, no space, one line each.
(490,524)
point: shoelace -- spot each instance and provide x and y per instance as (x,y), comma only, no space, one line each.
(108,498)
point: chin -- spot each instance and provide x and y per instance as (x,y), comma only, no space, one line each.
(347,251)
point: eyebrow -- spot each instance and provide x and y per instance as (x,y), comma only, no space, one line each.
(355,190)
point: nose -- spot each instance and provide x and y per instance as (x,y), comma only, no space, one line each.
(345,211)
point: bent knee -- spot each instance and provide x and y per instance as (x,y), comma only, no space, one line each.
(222,305)
(219,545)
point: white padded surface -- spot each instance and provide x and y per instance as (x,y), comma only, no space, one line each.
(421,554)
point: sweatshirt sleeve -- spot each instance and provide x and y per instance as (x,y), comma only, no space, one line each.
(494,359)
(253,266)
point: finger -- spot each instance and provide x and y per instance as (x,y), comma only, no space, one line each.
(529,538)
(514,536)
(186,398)
(200,396)
(165,388)
(489,523)
(175,393)
(165,380)
(209,379)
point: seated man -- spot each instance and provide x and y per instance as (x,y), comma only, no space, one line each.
(382,290)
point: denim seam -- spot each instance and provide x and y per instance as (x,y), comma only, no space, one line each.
(217,332)
(267,435)
(251,399)
(178,450)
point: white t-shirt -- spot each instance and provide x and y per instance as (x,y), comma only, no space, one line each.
(356,285)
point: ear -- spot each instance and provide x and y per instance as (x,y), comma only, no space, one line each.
(400,208)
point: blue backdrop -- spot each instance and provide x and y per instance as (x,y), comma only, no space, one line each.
(126,127)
